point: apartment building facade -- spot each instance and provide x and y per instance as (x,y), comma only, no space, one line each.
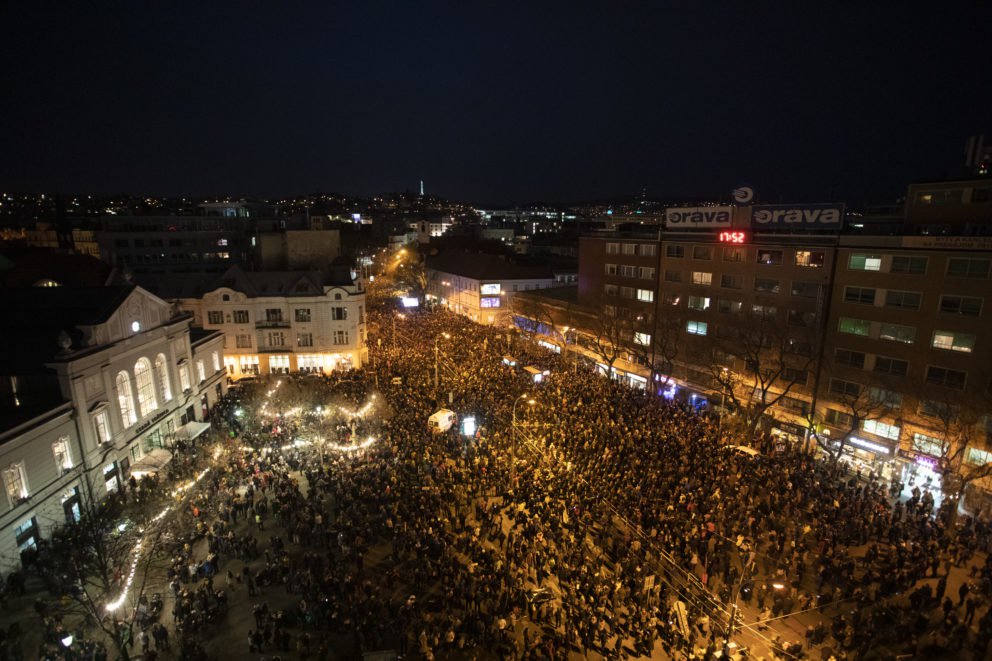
(277,322)
(886,335)
(909,322)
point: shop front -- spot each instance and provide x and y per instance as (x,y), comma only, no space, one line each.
(310,363)
(920,467)
(249,365)
(279,364)
(870,455)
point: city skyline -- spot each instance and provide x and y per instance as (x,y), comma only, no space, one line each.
(561,105)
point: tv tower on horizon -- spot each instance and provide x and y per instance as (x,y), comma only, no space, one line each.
(421,188)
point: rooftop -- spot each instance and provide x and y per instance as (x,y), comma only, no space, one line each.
(481,266)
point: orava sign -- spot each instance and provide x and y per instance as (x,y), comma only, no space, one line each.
(806,216)
(682,217)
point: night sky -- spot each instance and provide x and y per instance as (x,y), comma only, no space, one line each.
(495,103)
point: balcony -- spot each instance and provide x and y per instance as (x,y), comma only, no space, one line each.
(278,323)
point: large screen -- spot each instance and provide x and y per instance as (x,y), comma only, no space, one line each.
(489,290)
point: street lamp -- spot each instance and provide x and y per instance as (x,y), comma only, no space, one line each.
(437,352)
(513,436)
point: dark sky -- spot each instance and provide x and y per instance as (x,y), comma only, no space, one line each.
(507,102)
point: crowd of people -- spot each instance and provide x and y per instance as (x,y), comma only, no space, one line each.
(582,518)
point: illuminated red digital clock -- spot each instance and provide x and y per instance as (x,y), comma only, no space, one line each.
(733,237)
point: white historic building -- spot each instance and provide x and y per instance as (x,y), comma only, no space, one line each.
(96,385)
(481,286)
(277,322)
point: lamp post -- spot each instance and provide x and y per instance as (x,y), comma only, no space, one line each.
(437,352)
(513,437)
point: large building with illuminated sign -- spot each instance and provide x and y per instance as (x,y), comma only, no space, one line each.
(894,321)
(481,286)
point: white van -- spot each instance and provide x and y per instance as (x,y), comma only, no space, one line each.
(442,421)
(742,449)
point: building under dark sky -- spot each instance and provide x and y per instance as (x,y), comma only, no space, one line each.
(504,103)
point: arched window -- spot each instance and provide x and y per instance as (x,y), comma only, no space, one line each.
(163,376)
(125,399)
(146,386)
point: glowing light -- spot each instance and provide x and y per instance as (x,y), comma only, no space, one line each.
(136,551)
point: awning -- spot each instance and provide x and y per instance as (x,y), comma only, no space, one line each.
(191,430)
(152,462)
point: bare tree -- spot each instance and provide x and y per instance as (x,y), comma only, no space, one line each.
(658,345)
(103,562)
(413,277)
(770,362)
(858,403)
(960,419)
(533,316)
(612,334)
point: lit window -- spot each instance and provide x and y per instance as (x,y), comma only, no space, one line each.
(60,450)
(201,371)
(184,377)
(810,258)
(102,425)
(930,445)
(125,399)
(696,327)
(161,368)
(147,401)
(890,432)
(645,295)
(702,278)
(897,333)
(15,481)
(864,263)
(951,341)
(979,457)
(854,326)
(700,303)
(644,339)
(770,257)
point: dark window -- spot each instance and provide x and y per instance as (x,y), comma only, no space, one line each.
(844,388)
(848,357)
(903,264)
(805,289)
(907,300)
(894,366)
(839,418)
(731,281)
(942,376)
(969,306)
(861,295)
(959,267)
(766,285)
